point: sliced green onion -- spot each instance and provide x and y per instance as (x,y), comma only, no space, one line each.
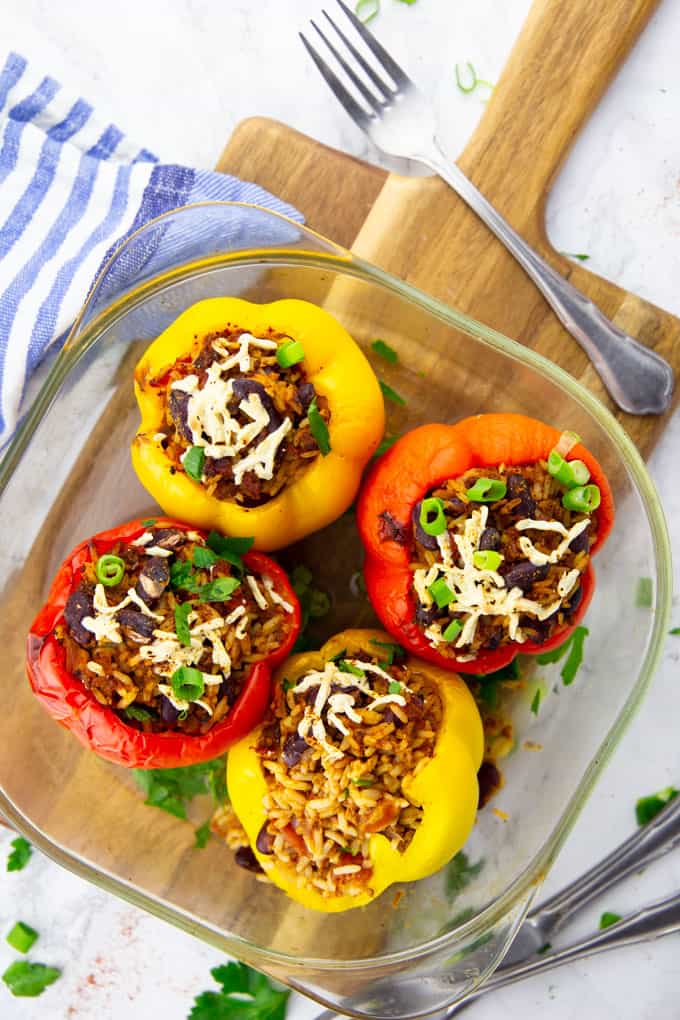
(441,593)
(366,10)
(487,490)
(487,559)
(391,394)
(347,667)
(187,683)
(109,570)
(219,590)
(22,937)
(536,701)
(394,687)
(432,519)
(182,623)
(318,428)
(570,473)
(583,499)
(193,461)
(452,631)
(567,442)
(391,650)
(384,350)
(473,74)
(290,353)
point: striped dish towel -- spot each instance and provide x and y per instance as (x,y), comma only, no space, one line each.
(71,188)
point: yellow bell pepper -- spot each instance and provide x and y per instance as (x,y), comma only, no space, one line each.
(446,787)
(336,367)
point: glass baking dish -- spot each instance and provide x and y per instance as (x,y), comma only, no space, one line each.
(67,474)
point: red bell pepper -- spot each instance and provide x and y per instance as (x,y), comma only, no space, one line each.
(420,461)
(100,728)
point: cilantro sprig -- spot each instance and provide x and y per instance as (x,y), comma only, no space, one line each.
(459,873)
(648,807)
(573,649)
(172,790)
(19,855)
(28,980)
(608,919)
(244,994)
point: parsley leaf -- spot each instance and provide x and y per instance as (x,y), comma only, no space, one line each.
(193,461)
(182,631)
(182,575)
(536,701)
(574,646)
(204,558)
(674,631)
(647,808)
(20,855)
(27,979)
(219,590)
(643,593)
(459,873)
(172,789)
(608,919)
(391,651)
(318,428)
(229,548)
(138,713)
(202,835)
(382,349)
(245,994)
(574,255)
(391,394)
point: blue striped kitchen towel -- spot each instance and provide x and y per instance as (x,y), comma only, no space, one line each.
(71,187)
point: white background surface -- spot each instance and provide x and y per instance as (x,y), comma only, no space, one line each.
(178,75)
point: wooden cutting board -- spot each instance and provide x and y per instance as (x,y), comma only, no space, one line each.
(418,229)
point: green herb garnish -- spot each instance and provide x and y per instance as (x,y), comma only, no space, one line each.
(452,630)
(459,873)
(386,443)
(28,980)
(394,687)
(644,593)
(487,559)
(149,523)
(139,714)
(229,548)
(575,255)
(475,82)
(202,835)
(647,808)
(109,570)
(187,683)
(347,667)
(245,994)
(384,350)
(674,631)
(172,789)
(290,353)
(608,919)
(318,428)
(391,650)
(536,701)
(574,646)
(367,10)
(20,854)
(570,473)
(204,558)
(182,623)
(193,461)
(544,948)
(182,575)
(22,937)
(390,394)
(219,590)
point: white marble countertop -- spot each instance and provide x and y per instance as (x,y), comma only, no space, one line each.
(178,75)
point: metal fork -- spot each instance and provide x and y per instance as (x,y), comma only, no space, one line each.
(398,119)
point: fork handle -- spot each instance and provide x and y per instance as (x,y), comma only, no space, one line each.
(651,841)
(638,379)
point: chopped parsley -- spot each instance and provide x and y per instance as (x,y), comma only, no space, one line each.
(536,701)
(346,667)
(459,873)
(219,590)
(390,650)
(674,631)
(574,255)
(202,835)
(182,575)
(138,713)
(193,461)
(391,394)
(172,790)
(229,548)
(182,631)
(643,593)
(573,649)
(149,523)
(367,10)
(474,83)
(608,919)
(318,428)
(314,603)
(394,687)
(245,994)
(28,980)
(204,558)
(384,350)
(20,854)
(22,937)
(647,808)
(385,444)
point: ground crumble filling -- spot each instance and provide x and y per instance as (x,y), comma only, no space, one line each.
(530,584)
(335,751)
(238,415)
(178,604)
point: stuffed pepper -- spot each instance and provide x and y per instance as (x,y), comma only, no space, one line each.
(256,419)
(157,643)
(479,538)
(364,773)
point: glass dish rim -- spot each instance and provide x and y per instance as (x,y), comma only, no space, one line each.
(354,265)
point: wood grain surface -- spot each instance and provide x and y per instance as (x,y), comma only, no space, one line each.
(418,229)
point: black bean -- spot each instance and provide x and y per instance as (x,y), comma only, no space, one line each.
(169,538)
(243,387)
(229,690)
(575,600)
(490,539)
(455,506)
(306,394)
(153,579)
(489,779)
(139,627)
(310,694)
(425,616)
(245,858)
(265,841)
(294,746)
(427,541)
(524,574)
(178,406)
(169,714)
(390,530)
(582,542)
(79,605)
(518,488)
(389,716)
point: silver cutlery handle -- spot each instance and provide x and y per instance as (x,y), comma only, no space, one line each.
(637,379)
(651,841)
